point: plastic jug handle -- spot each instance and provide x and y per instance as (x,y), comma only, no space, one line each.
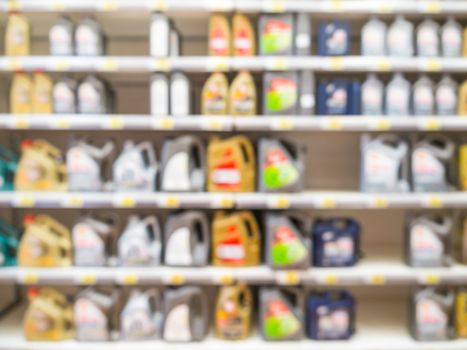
(253,224)
(202,318)
(152,223)
(198,145)
(248,150)
(154,300)
(147,147)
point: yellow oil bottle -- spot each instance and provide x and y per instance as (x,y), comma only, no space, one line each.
(235,239)
(244,42)
(461,314)
(42,94)
(231,165)
(215,95)
(41,168)
(462,100)
(220,36)
(242,95)
(17,35)
(45,243)
(21,94)
(463,167)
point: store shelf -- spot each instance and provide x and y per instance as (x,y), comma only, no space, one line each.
(379,327)
(114,122)
(143,64)
(317,7)
(369,272)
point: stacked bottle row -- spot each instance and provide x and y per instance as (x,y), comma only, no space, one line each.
(286,240)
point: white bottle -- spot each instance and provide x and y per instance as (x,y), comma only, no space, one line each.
(451,38)
(159,35)
(374,38)
(398,97)
(174,43)
(428,39)
(89,38)
(180,90)
(400,38)
(64,96)
(372,96)
(61,41)
(446,97)
(423,95)
(159,95)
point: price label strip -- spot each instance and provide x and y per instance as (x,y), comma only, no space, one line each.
(288,278)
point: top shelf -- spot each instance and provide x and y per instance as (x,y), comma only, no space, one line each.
(318,6)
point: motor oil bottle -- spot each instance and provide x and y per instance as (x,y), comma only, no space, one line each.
(42,94)
(461,313)
(160,35)
(462,99)
(44,243)
(464,43)
(41,168)
(428,38)
(49,316)
(385,164)
(215,95)
(220,36)
(140,244)
(64,96)
(93,96)
(159,95)
(423,94)
(183,165)
(86,166)
(89,38)
(302,35)
(288,245)
(281,313)
(94,313)
(135,169)
(280,91)
(429,239)
(92,240)
(307,99)
(281,166)
(276,34)
(186,315)
(336,242)
(446,97)
(17,35)
(334,38)
(432,314)
(398,96)
(244,41)
(242,95)
(434,165)
(187,239)
(231,165)
(334,97)
(21,93)
(8,165)
(235,239)
(141,317)
(372,96)
(373,40)
(234,309)
(451,38)
(61,39)
(460,243)
(180,95)
(9,242)
(400,38)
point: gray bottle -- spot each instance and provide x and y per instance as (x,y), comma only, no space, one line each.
(374,34)
(187,239)
(372,96)
(303,37)
(93,96)
(288,244)
(61,40)
(432,315)
(141,317)
(385,164)
(428,39)
(94,313)
(433,164)
(451,38)
(281,313)
(446,97)
(186,315)
(398,97)
(183,165)
(64,96)
(281,166)
(423,97)
(307,97)
(89,38)
(429,239)
(400,38)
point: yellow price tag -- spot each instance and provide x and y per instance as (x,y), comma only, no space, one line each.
(109,5)
(433,65)
(336,63)
(328,203)
(109,65)
(115,123)
(226,202)
(378,279)
(58,5)
(382,124)
(380,202)
(30,278)
(13,64)
(226,280)
(383,66)
(281,203)
(161,65)
(130,279)
(21,123)
(432,124)
(284,124)
(127,202)
(61,65)
(74,201)
(278,64)
(213,124)
(172,202)
(336,5)
(276,6)
(13,5)
(62,123)
(330,279)
(334,124)
(88,279)
(435,202)
(385,7)
(433,7)
(431,279)
(176,279)
(160,5)
(288,278)
(26,201)
(165,123)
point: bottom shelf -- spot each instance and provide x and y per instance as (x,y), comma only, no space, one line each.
(379,327)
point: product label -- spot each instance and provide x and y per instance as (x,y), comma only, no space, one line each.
(424,101)
(278,170)
(214,98)
(426,247)
(37,322)
(281,95)
(397,103)
(427,42)
(432,320)
(429,173)
(231,250)
(90,100)
(242,42)
(446,100)
(338,250)
(380,170)
(242,100)
(287,248)
(91,323)
(227,175)
(451,41)
(336,41)
(177,174)
(279,321)
(333,324)
(32,247)
(229,320)
(399,41)
(372,98)
(63,99)
(83,171)
(88,246)
(87,42)
(61,42)
(336,100)
(178,250)
(373,41)
(276,37)
(138,324)
(177,324)
(218,42)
